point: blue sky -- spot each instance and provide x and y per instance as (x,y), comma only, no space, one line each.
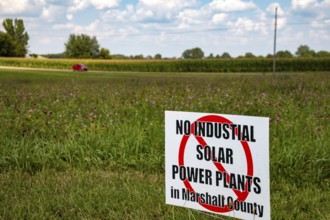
(169,27)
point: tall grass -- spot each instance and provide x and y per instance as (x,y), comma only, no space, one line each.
(55,129)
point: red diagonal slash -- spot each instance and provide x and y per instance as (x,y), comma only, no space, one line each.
(241,195)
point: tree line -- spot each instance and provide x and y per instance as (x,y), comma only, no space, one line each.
(303,51)
(14,43)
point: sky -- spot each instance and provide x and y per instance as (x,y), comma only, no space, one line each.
(169,27)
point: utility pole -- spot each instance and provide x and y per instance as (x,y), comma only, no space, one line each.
(275,33)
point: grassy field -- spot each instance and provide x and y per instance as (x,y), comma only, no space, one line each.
(91,145)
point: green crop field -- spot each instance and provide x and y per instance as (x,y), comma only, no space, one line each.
(91,145)
(262,65)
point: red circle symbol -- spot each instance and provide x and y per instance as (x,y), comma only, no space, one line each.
(241,195)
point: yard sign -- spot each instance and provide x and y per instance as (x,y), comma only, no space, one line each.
(218,163)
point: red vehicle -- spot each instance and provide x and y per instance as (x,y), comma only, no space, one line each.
(79,67)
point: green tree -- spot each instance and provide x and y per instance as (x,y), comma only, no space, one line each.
(305,51)
(249,55)
(82,46)
(194,53)
(7,47)
(105,53)
(138,57)
(226,55)
(284,54)
(323,54)
(19,37)
(211,56)
(158,56)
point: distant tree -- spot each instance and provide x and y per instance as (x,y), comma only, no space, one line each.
(54,55)
(158,56)
(119,56)
(33,55)
(82,46)
(305,51)
(7,46)
(323,54)
(211,56)
(19,37)
(194,53)
(226,55)
(249,55)
(138,57)
(104,54)
(284,54)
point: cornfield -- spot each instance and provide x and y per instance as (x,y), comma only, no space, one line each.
(207,65)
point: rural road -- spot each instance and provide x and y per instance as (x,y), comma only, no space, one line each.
(29,68)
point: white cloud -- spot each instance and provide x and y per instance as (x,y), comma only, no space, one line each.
(189,17)
(271,9)
(92,29)
(69,17)
(168,4)
(319,36)
(51,13)
(281,22)
(243,25)
(40,2)
(282,19)
(105,4)
(116,15)
(303,4)
(143,14)
(219,18)
(78,5)
(13,6)
(67,26)
(163,10)
(46,9)
(46,40)
(232,5)
(325,3)
(312,12)
(321,22)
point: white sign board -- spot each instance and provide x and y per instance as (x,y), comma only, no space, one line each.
(218,163)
